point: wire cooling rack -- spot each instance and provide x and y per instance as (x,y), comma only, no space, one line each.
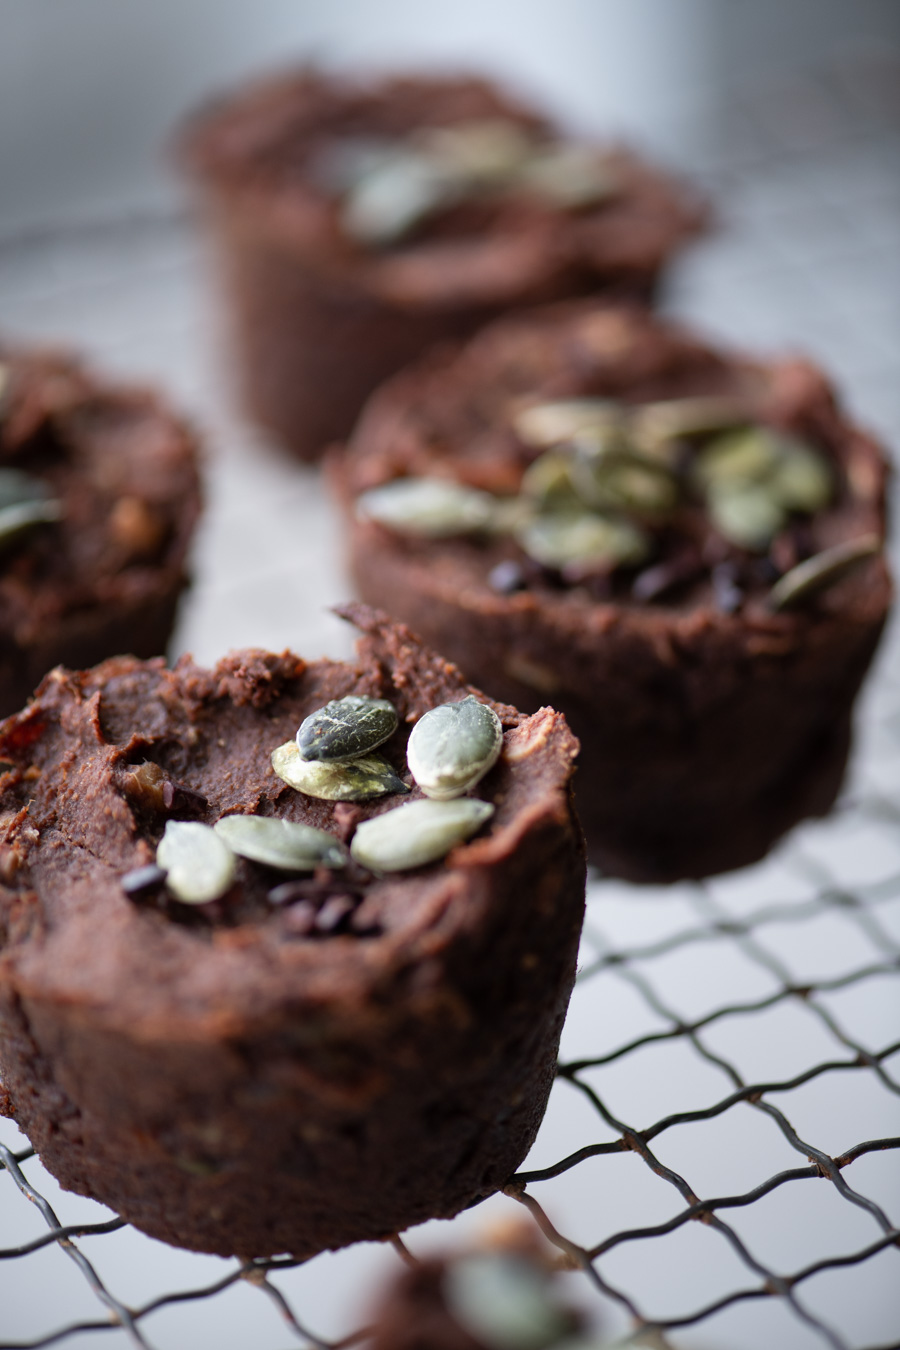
(719,1158)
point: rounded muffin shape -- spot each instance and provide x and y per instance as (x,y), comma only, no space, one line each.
(318,317)
(105,574)
(302,1063)
(709,722)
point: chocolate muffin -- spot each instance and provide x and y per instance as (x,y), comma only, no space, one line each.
(359,223)
(680,549)
(99,494)
(253,1039)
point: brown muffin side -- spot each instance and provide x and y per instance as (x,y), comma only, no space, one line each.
(704,734)
(318,320)
(226,1083)
(106,577)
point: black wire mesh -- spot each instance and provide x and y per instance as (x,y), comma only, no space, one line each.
(752,1020)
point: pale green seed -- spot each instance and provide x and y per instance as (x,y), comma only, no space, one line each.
(624,482)
(653,425)
(747,515)
(802,480)
(199,865)
(285,844)
(560,539)
(387,203)
(738,458)
(547,482)
(480,153)
(346,728)
(547,424)
(416,834)
(821,571)
(434,508)
(572,176)
(452,746)
(504,1302)
(358,781)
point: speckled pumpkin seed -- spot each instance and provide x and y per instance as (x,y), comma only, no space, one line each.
(435,508)
(571,175)
(547,424)
(416,834)
(821,571)
(285,844)
(388,202)
(802,479)
(358,781)
(625,482)
(747,515)
(346,728)
(653,424)
(559,539)
(738,458)
(452,746)
(503,1302)
(199,866)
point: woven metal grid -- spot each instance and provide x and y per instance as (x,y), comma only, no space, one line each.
(753,1020)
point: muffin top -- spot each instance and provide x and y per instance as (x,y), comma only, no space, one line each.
(99,493)
(436,189)
(107,766)
(597,456)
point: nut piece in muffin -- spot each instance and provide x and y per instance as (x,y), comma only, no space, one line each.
(680,549)
(99,495)
(256,1017)
(358,223)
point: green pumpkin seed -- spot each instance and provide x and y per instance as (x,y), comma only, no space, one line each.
(547,482)
(655,424)
(434,508)
(284,844)
(504,1302)
(747,515)
(416,834)
(571,176)
(802,480)
(557,540)
(346,728)
(821,571)
(624,482)
(479,153)
(738,459)
(358,781)
(199,866)
(452,746)
(547,424)
(397,194)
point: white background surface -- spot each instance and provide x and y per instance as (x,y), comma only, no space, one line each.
(806,171)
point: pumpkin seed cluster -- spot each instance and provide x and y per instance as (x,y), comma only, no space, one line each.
(450,749)
(390,187)
(607,477)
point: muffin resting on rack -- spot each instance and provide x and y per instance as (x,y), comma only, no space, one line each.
(680,549)
(286,947)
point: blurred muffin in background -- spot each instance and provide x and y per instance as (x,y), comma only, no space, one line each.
(99,495)
(359,223)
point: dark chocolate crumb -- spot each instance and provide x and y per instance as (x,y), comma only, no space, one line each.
(143,879)
(333,913)
(300,919)
(663,577)
(507,578)
(347,816)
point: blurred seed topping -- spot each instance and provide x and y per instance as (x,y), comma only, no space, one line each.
(285,844)
(434,508)
(357,780)
(346,728)
(452,746)
(505,1302)
(559,539)
(821,571)
(418,833)
(24,503)
(199,865)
